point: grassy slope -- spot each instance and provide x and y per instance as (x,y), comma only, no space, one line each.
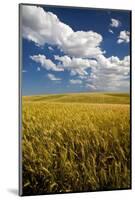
(111,98)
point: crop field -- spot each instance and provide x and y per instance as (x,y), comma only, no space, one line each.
(75,142)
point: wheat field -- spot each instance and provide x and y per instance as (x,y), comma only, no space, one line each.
(75,142)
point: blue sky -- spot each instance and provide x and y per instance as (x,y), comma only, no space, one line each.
(74,50)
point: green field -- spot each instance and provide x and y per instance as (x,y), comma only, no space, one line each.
(75,142)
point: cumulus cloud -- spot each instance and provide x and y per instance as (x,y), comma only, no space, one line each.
(75,81)
(115,23)
(83,44)
(45,63)
(53,77)
(111,74)
(43,27)
(123,37)
(76,66)
(104,73)
(84,57)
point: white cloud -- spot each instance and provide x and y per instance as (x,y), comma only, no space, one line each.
(45,63)
(111,74)
(83,44)
(76,66)
(115,23)
(75,81)
(83,77)
(38,69)
(123,37)
(50,48)
(24,71)
(90,86)
(84,57)
(111,31)
(104,73)
(53,77)
(43,27)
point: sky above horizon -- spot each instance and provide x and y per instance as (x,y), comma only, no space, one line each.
(74,50)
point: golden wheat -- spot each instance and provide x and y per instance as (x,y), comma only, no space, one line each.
(69,147)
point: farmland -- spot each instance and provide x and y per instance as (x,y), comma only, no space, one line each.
(75,142)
